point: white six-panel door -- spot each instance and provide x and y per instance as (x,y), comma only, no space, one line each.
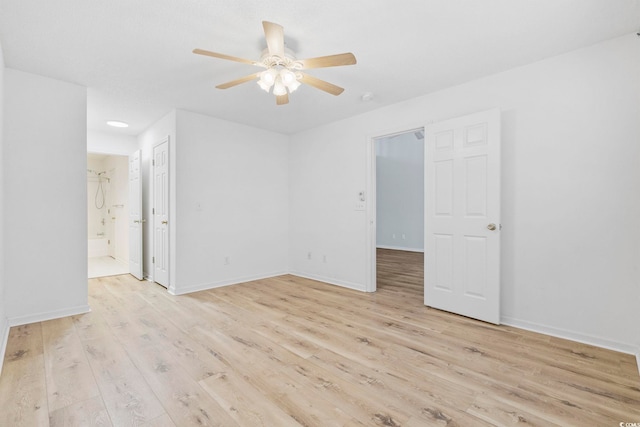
(462,216)
(161,213)
(135,215)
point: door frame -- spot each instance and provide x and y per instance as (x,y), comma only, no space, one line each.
(371,220)
(152,191)
(139,236)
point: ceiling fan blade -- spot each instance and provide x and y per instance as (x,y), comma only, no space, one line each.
(328,61)
(282,99)
(274,34)
(239,81)
(321,84)
(228,57)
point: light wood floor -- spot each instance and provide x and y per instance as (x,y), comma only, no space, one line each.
(289,351)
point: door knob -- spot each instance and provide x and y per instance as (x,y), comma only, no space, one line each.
(491,226)
(165,222)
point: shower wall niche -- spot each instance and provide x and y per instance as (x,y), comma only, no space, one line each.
(107,206)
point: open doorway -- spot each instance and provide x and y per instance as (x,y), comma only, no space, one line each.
(461,215)
(107,215)
(398,187)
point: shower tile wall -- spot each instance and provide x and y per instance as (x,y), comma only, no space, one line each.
(97,217)
(118,214)
(110,223)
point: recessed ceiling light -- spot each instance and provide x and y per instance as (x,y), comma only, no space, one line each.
(117,124)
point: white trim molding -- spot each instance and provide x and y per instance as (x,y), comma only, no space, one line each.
(638,359)
(572,336)
(341,283)
(212,285)
(49,315)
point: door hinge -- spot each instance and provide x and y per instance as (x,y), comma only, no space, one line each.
(153,260)
(153,210)
(153,162)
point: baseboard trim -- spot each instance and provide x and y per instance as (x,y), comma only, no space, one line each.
(638,359)
(235,281)
(572,336)
(399,248)
(49,315)
(5,339)
(341,283)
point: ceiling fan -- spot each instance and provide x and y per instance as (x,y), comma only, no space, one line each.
(283,72)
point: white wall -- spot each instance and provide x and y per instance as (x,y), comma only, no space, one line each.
(400,192)
(326,173)
(163,128)
(111,143)
(45,218)
(228,193)
(4,324)
(570,186)
(232,190)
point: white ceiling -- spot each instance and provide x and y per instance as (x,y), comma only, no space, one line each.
(135,56)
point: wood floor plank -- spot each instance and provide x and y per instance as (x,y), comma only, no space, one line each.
(24,341)
(183,398)
(127,397)
(244,403)
(397,390)
(162,421)
(252,347)
(495,412)
(87,413)
(69,376)
(23,393)
(90,326)
(151,328)
(303,404)
(281,336)
(294,351)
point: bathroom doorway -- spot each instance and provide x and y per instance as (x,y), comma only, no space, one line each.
(108,213)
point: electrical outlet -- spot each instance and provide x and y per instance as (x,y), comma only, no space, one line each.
(226,260)
(308,255)
(324,258)
(404,237)
(393,236)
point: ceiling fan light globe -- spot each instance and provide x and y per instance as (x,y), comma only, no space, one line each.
(279,89)
(268,77)
(295,84)
(264,86)
(287,76)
